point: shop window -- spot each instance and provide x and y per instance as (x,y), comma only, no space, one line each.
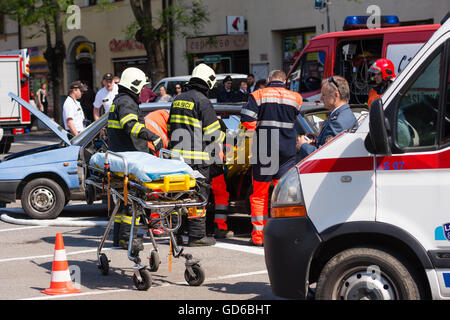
(293,44)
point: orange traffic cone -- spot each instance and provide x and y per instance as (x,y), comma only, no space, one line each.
(60,282)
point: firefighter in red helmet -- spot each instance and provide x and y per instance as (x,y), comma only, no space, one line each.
(383,73)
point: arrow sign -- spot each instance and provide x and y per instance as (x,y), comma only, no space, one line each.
(235,24)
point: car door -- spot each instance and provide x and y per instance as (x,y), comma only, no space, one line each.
(413,185)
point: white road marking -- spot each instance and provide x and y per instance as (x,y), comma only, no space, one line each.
(24,228)
(229,276)
(51,255)
(222,245)
(242,248)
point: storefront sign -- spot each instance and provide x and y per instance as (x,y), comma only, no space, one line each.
(235,24)
(84,51)
(217,43)
(122,45)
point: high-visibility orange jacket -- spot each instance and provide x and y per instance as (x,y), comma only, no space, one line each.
(373,95)
(156,122)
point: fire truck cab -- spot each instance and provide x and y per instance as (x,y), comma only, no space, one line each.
(14,69)
(366,216)
(351,53)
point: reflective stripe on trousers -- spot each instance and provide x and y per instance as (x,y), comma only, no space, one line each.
(259,202)
(129,219)
(221,197)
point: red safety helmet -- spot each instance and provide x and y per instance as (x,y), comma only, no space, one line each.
(386,67)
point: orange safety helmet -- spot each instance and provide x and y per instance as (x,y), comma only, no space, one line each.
(386,67)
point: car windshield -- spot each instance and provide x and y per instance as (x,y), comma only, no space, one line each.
(94,127)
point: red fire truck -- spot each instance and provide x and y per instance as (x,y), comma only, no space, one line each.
(14,77)
(350,54)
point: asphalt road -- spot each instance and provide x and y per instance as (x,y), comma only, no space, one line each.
(234,270)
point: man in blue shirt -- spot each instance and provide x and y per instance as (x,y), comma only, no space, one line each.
(335,97)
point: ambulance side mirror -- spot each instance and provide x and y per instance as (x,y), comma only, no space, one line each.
(378,139)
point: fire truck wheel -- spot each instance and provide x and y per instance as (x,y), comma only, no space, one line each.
(366,274)
(5,145)
(43,198)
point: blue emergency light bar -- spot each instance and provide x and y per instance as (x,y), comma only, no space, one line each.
(360,22)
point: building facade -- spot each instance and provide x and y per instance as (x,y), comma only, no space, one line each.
(9,34)
(252,36)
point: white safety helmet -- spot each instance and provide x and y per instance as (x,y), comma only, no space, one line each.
(133,79)
(205,73)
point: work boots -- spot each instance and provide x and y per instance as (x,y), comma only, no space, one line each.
(201,242)
(222,233)
(138,237)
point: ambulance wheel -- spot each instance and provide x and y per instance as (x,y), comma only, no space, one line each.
(145,283)
(196,280)
(366,274)
(43,198)
(154,261)
(104,264)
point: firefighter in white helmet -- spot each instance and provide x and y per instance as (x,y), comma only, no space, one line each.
(195,133)
(127,132)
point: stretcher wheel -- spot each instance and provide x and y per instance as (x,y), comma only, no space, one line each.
(196,280)
(154,261)
(146,281)
(104,264)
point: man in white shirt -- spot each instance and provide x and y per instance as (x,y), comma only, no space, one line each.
(105,95)
(73,115)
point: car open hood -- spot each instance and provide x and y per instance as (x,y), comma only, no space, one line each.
(49,123)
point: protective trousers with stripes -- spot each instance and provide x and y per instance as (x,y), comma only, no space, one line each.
(196,226)
(221,197)
(259,200)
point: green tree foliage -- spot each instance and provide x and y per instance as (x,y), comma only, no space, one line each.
(179,19)
(48,18)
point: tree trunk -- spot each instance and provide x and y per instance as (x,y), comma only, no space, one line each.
(55,58)
(156,66)
(149,37)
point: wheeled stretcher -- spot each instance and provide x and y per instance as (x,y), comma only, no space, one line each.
(148,184)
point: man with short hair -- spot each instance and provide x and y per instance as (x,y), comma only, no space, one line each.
(73,115)
(271,113)
(242,94)
(226,95)
(105,96)
(251,82)
(335,97)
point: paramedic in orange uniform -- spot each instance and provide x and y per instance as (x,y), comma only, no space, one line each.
(156,122)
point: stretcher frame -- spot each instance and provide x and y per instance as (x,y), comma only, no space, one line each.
(164,203)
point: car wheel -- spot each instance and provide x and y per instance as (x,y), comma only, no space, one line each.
(366,274)
(43,198)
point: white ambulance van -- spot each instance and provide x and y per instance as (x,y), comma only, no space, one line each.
(367,216)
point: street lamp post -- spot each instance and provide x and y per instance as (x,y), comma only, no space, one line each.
(321,4)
